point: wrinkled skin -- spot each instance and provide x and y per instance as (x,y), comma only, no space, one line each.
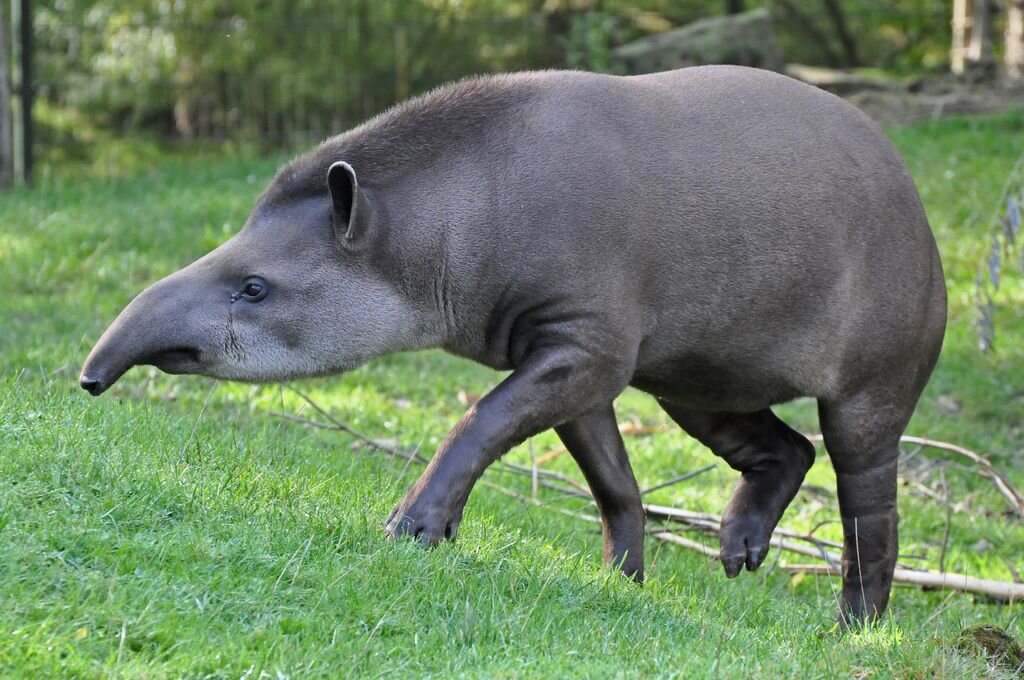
(722,238)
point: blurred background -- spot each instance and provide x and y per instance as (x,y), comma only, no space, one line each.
(281,74)
(181,527)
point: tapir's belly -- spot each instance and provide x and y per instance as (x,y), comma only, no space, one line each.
(707,385)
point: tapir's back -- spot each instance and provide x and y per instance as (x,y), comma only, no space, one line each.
(747,216)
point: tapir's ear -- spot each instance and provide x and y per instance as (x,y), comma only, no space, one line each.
(349,206)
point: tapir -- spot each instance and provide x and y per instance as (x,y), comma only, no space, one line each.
(725,239)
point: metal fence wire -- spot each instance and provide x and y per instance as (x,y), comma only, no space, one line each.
(279,80)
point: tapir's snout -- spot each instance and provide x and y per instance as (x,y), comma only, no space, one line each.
(169,325)
(98,376)
(92,385)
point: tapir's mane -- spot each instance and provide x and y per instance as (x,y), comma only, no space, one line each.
(414,131)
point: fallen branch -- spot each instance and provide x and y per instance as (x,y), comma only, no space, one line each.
(997,590)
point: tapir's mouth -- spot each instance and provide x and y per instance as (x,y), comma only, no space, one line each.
(173,360)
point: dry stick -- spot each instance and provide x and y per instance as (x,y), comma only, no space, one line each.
(550,474)
(1012,494)
(987,470)
(669,537)
(949,519)
(373,443)
(625,429)
(1002,484)
(538,503)
(781,544)
(709,521)
(679,479)
(699,520)
(999,590)
(338,425)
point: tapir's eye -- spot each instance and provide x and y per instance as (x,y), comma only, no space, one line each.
(253,289)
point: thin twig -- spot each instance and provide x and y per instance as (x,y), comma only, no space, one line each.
(1006,488)
(534,478)
(526,471)
(679,479)
(1012,569)
(338,425)
(630,429)
(670,537)
(949,519)
(789,546)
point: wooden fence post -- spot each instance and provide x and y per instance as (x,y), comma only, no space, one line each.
(961,24)
(1013,48)
(25,46)
(6,150)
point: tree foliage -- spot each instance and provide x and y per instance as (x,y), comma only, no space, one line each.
(293,70)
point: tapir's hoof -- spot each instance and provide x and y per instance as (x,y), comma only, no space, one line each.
(744,541)
(428,526)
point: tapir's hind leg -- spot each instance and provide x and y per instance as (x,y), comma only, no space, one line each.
(596,445)
(772,458)
(862,436)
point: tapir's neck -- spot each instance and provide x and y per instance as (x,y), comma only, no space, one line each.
(433,253)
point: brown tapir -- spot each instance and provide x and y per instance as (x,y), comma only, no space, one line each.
(723,238)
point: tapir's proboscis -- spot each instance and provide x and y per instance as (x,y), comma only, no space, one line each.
(722,238)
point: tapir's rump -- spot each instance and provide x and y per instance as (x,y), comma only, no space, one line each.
(723,238)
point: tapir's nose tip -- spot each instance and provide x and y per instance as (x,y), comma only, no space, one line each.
(93,386)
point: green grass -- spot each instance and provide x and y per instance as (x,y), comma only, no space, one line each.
(140,540)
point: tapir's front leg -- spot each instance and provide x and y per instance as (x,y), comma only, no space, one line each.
(552,386)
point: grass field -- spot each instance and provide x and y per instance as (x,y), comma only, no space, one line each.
(143,536)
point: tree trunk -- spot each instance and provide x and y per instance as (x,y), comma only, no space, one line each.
(735,6)
(846,38)
(1013,50)
(807,25)
(6,113)
(979,50)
